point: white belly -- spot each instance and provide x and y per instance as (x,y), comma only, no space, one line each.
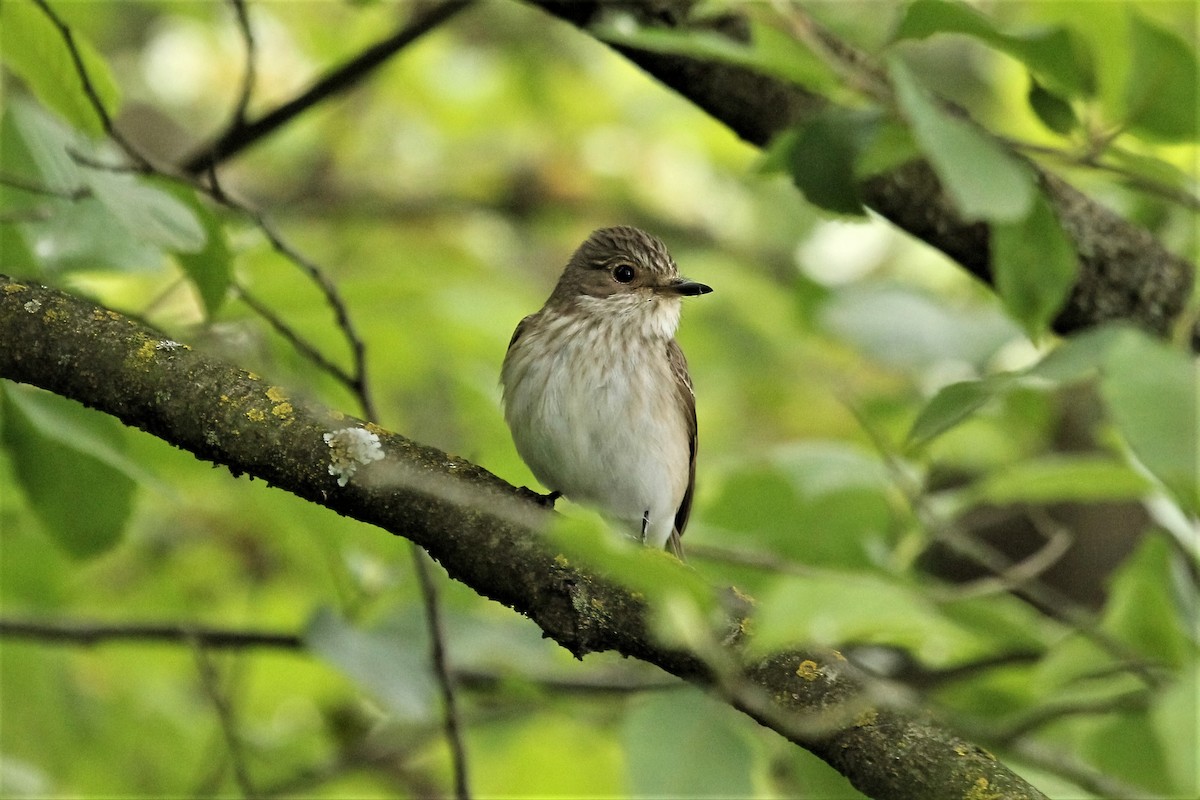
(604,432)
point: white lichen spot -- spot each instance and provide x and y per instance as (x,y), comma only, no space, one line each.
(33,306)
(169,344)
(351,448)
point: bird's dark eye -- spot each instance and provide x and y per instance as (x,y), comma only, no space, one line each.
(623,273)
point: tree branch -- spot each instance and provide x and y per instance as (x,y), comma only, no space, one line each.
(1124,271)
(482,530)
(241,133)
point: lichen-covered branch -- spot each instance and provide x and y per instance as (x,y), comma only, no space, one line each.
(481,529)
(1124,272)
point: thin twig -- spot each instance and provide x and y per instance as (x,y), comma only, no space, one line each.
(1172,194)
(89,88)
(998,564)
(225,718)
(89,633)
(1066,764)
(1128,702)
(302,345)
(25,185)
(237,138)
(238,118)
(437,636)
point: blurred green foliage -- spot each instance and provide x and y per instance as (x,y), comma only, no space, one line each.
(862,403)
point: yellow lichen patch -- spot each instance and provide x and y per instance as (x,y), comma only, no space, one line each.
(808,670)
(282,411)
(597,604)
(275,394)
(561,560)
(256,415)
(376,429)
(867,718)
(982,790)
(13,288)
(53,315)
(253,376)
(147,350)
(225,399)
(337,415)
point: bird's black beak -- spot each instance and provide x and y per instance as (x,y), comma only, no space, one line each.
(687,288)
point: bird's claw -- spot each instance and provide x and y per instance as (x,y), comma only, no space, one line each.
(544,500)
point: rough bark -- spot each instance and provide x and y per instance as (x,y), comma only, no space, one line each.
(483,531)
(1124,272)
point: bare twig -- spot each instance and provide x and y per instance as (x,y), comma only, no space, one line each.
(237,138)
(238,118)
(24,185)
(441,669)
(89,88)
(1066,764)
(90,633)
(302,345)
(1020,581)
(1043,715)
(210,681)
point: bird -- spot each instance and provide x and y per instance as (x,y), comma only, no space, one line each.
(596,389)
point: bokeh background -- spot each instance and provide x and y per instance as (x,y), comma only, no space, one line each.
(442,196)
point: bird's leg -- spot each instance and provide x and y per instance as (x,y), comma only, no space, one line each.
(645,524)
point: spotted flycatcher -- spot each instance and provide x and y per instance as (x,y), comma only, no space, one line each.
(597,392)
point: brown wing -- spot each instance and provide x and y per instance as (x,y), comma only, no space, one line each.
(521,326)
(687,400)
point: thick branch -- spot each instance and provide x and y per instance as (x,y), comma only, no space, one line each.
(1125,273)
(481,529)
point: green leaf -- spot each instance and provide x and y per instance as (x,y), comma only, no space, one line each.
(389,659)
(125,222)
(820,156)
(47,142)
(913,331)
(70,464)
(951,405)
(891,146)
(819,502)
(686,744)
(1079,357)
(659,576)
(1056,55)
(1141,608)
(147,212)
(210,268)
(1054,112)
(1173,715)
(1060,478)
(770,52)
(833,609)
(1034,265)
(985,181)
(1161,97)
(34,50)
(1150,390)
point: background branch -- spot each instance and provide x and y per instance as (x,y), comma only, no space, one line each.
(1124,271)
(242,133)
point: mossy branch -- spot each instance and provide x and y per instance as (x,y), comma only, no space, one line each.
(483,531)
